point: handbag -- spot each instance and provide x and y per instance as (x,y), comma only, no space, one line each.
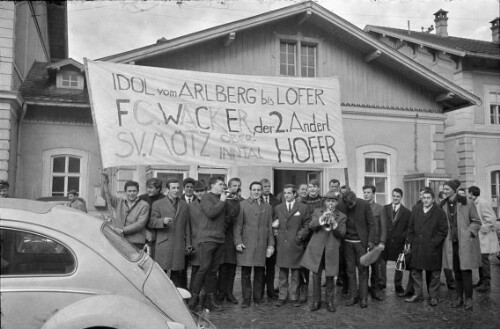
(404,259)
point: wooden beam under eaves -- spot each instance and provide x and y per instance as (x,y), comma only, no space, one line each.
(305,17)
(444,97)
(374,55)
(230,38)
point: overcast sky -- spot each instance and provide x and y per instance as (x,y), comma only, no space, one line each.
(102,28)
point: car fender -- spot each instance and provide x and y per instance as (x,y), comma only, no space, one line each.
(107,311)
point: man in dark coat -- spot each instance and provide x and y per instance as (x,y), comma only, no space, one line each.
(397,220)
(227,270)
(323,249)
(210,242)
(194,224)
(170,220)
(426,234)
(153,193)
(270,269)
(359,238)
(379,238)
(293,230)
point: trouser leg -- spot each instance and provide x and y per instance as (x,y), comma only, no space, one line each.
(317,281)
(382,281)
(211,279)
(222,279)
(176,277)
(485,270)
(342,263)
(270,274)
(194,270)
(434,283)
(350,255)
(398,278)
(448,274)
(362,271)
(231,274)
(417,282)
(330,290)
(246,283)
(467,283)
(293,287)
(283,283)
(210,254)
(410,287)
(258,283)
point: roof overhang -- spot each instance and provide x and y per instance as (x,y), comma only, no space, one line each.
(450,95)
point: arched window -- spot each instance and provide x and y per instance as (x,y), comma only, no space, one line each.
(64,170)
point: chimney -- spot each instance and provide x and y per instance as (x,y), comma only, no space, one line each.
(495,30)
(441,21)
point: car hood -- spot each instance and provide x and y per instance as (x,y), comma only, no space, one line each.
(161,291)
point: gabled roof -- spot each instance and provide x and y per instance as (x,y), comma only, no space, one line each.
(452,95)
(461,47)
(39,87)
(65,62)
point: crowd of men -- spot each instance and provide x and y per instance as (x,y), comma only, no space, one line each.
(212,229)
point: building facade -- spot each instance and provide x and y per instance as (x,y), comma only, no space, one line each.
(471,134)
(393,108)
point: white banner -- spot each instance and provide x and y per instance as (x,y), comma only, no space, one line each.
(148,115)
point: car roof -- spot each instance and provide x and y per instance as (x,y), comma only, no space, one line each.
(27,205)
(57,217)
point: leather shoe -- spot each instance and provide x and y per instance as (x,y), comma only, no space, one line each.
(399,289)
(363,303)
(381,286)
(345,290)
(245,304)
(413,299)
(459,302)
(352,301)
(331,307)
(297,303)
(230,298)
(477,284)
(484,288)
(377,295)
(340,282)
(451,286)
(433,302)
(280,302)
(405,294)
(315,306)
(468,304)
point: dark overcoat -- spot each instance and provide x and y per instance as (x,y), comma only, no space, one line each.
(324,242)
(363,220)
(397,229)
(292,232)
(195,215)
(232,212)
(171,239)
(468,224)
(426,234)
(254,229)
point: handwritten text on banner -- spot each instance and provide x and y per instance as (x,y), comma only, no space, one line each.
(147,115)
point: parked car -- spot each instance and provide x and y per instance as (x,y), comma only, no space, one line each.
(61,268)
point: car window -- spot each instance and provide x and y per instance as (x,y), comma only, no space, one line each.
(27,253)
(128,250)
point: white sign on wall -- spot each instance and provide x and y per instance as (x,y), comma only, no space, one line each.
(148,115)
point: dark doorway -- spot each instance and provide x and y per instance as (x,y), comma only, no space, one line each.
(296,177)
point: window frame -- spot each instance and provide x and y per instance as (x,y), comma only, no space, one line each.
(488,91)
(60,80)
(299,40)
(49,155)
(377,151)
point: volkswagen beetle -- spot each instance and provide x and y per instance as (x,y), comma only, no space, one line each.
(61,268)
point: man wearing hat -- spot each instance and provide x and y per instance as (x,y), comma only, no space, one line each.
(4,189)
(322,253)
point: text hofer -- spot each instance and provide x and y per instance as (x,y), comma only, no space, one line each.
(313,149)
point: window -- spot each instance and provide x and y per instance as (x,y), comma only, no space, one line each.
(205,174)
(64,169)
(69,79)
(376,174)
(66,174)
(290,51)
(495,190)
(125,248)
(494,102)
(26,253)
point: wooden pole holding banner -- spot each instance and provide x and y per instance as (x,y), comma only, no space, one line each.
(103,172)
(346,177)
